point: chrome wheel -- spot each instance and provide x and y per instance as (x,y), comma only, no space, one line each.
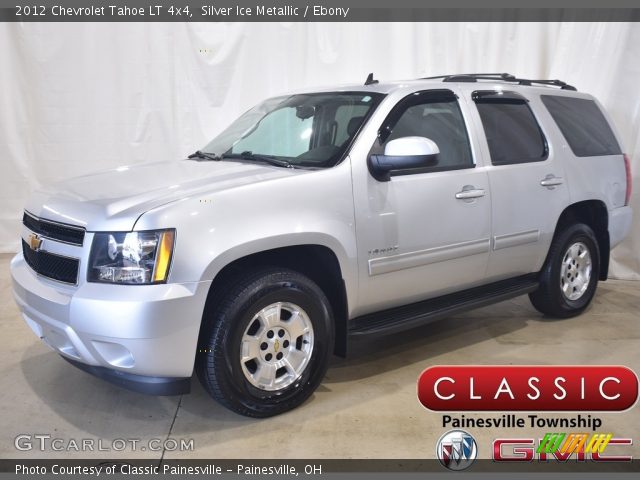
(575,273)
(276,346)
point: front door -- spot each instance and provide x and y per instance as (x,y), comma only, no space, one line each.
(425,232)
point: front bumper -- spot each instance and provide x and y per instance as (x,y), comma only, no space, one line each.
(118,332)
(137,383)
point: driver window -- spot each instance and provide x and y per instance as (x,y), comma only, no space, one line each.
(439,120)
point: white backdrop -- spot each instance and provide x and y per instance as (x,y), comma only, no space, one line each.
(81,97)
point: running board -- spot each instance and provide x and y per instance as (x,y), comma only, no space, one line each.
(410,316)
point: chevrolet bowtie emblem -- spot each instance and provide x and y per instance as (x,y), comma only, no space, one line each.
(276,345)
(35,242)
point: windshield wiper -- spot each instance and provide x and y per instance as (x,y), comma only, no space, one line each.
(258,158)
(205,156)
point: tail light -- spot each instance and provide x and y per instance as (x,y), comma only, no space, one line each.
(627,167)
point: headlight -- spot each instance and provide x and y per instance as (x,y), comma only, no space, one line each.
(131,258)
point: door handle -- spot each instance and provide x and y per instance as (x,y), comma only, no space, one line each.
(469,192)
(551,181)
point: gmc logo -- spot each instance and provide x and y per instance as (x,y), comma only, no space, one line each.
(528,449)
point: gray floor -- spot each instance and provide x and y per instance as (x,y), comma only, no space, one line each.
(365,408)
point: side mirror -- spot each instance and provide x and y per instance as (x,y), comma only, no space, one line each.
(403,154)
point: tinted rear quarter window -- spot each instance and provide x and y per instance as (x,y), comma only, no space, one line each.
(512,132)
(583,125)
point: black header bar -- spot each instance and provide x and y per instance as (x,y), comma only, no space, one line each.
(316,11)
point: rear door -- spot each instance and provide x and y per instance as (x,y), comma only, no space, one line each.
(527,179)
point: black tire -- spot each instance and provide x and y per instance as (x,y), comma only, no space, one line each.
(549,298)
(218,362)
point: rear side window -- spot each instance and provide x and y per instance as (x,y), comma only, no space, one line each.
(512,132)
(583,125)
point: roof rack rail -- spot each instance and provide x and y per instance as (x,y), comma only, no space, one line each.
(501,77)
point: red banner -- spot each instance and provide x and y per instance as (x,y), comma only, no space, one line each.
(528,388)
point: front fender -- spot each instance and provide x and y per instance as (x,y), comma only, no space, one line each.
(307,208)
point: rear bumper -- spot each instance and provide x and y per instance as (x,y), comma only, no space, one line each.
(619,224)
(118,332)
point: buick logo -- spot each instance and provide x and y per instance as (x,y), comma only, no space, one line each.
(35,242)
(457,450)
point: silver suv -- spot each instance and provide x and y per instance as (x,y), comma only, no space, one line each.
(320,216)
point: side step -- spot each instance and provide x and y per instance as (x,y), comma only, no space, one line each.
(410,316)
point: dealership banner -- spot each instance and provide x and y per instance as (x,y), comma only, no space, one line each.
(528,388)
(317,11)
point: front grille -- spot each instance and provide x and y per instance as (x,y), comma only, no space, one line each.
(50,265)
(53,230)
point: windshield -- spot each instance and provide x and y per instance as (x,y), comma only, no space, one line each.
(312,130)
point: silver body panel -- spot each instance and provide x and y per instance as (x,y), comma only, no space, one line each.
(396,242)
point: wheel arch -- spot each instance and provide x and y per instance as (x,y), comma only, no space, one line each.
(318,262)
(595,214)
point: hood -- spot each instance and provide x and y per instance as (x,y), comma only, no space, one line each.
(113,200)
